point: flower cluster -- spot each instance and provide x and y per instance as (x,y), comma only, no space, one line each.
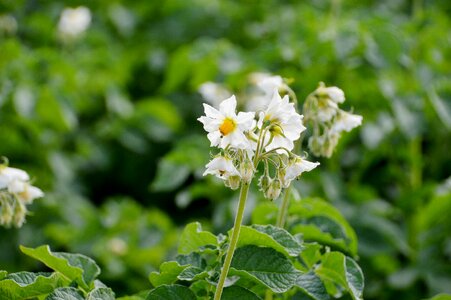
(246,139)
(15,193)
(328,120)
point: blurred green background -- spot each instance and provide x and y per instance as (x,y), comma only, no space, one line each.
(105,122)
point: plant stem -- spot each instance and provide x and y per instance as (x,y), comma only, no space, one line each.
(233,241)
(281,216)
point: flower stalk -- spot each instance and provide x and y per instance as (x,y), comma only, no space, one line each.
(233,240)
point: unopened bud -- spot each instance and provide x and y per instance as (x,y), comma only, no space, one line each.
(20,211)
(274,189)
(247,171)
(263,182)
(233,182)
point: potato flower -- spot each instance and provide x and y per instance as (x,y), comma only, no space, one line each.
(225,128)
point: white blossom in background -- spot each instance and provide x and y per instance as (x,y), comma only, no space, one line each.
(328,120)
(226,128)
(8,25)
(213,93)
(346,122)
(15,193)
(74,21)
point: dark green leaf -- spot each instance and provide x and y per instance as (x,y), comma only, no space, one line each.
(237,292)
(26,284)
(172,292)
(265,266)
(65,293)
(269,236)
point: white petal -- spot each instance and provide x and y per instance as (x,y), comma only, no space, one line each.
(215,138)
(228,106)
(336,94)
(245,120)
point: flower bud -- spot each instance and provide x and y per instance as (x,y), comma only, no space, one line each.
(6,215)
(233,182)
(273,190)
(263,182)
(20,211)
(246,171)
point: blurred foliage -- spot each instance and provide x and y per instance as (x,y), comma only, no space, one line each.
(113,113)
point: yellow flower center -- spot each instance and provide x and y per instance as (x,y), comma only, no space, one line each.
(227,126)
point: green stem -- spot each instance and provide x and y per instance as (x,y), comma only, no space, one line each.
(281,216)
(233,241)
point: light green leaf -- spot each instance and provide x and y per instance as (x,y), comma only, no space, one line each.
(311,285)
(193,259)
(193,238)
(76,267)
(101,294)
(321,222)
(3,274)
(237,292)
(311,254)
(27,284)
(169,176)
(441,297)
(65,293)
(172,292)
(192,273)
(265,266)
(344,271)
(269,236)
(167,275)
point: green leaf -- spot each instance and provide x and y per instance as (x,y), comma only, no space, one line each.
(311,285)
(237,292)
(441,297)
(173,292)
(265,266)
(27,284)
(269,236)
(192,273)
(311,254)
(76,267)
(167,275)
(193,259)
(3,274)
(169,176)
(321,222)
(102,293)
(65,293)
(344,271)
(193,238)
(178,70)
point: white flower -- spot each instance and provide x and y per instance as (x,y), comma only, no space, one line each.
(269,83)
(345,122)
(296,167)
(332,92)
(225,127)
(335,94)
(285,124)
(327,109)
(213,93)
(74,21)
(8,175)
(24,191)
(222,167)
